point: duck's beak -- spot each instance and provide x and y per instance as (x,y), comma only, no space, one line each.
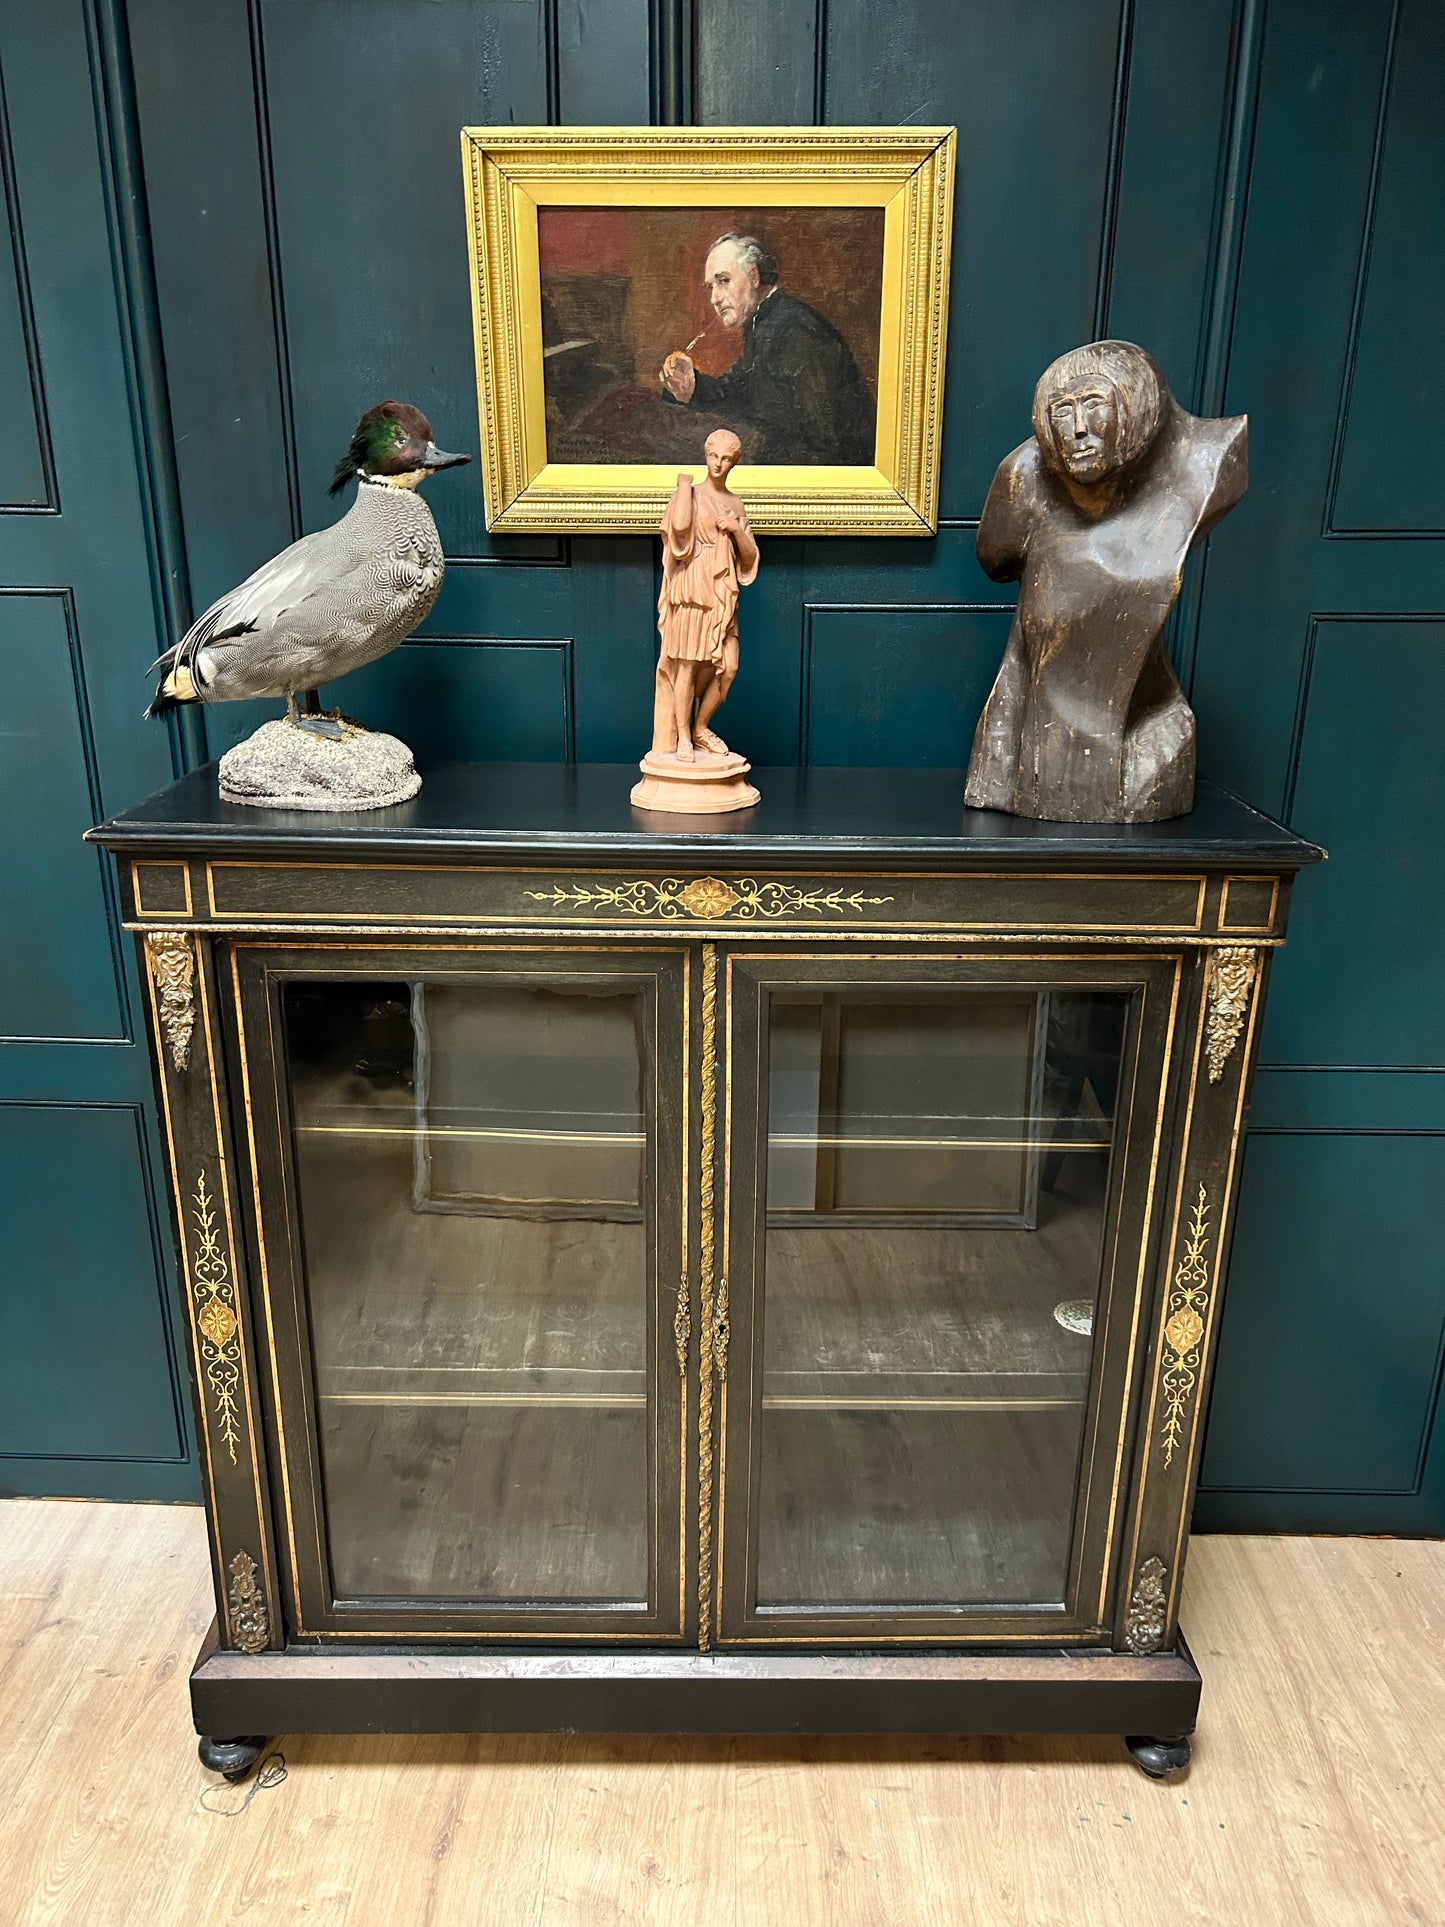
(438,458)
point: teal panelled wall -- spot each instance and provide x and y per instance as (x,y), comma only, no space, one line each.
(1319,674)
(92,1384)
(1253,188)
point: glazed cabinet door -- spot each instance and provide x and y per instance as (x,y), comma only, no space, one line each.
(468,1208)
(939,1175)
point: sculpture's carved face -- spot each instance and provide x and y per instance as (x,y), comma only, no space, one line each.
(1084,419)
(722,450)
(1097,412)
(733,290)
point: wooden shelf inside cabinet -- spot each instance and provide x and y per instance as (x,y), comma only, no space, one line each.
(628,1260)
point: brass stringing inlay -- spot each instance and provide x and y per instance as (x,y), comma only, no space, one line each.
(1184,1327)
(1144,1627)
(250,1622)
(709,1259)
(704,897)
(172,961)
(217,1329)
(1232,971)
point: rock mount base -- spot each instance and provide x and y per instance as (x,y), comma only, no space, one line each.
(707,787)
(283,767)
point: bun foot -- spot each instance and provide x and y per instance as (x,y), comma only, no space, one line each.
(232,1759)
(1159,1758)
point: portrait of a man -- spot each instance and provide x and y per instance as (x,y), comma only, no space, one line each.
(636,291)
(661,325)
(795,381)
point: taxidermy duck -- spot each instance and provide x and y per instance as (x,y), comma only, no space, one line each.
(332,601)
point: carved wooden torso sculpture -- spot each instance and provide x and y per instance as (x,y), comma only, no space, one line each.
(1095,516)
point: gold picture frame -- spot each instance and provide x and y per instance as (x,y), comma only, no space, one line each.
(514,175)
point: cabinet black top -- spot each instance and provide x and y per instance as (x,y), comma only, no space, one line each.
(555,812)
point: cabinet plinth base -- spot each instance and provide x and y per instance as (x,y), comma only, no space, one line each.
(404,1690)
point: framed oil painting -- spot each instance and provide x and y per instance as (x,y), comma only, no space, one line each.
(635,288)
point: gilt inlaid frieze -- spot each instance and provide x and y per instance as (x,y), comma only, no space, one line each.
(707,898)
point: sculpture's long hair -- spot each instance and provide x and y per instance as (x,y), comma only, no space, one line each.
(1140,392)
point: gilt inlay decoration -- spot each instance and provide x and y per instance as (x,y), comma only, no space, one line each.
(171,957)
(708,899)
(218,1331)
(1184,1326)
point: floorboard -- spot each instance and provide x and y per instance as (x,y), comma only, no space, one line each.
(1316,1793)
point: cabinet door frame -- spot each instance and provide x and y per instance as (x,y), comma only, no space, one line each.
(254,971)
(1157,982)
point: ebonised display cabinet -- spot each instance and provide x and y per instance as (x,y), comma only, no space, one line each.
(750,1277)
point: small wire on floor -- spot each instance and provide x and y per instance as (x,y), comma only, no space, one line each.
(270,1773)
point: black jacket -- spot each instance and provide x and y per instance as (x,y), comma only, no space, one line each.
(797,385)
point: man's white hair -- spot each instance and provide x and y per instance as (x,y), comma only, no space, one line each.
(752,254)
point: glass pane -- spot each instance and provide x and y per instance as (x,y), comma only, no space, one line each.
(938,1172)
(471,1167)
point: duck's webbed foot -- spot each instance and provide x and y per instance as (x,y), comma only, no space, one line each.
(331,727)
(318,722)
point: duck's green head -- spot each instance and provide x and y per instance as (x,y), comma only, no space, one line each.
(393,442)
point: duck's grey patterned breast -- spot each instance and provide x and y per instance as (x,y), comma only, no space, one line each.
(400,570)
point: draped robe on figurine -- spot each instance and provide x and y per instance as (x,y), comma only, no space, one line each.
(698,607)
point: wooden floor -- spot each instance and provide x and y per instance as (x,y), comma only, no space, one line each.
(1317,1794)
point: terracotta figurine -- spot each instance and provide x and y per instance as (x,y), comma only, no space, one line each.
(708,554)
(1095,516)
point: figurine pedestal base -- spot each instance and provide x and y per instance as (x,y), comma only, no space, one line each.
(705,788)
